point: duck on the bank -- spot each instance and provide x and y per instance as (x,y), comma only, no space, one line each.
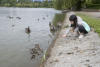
(50,24)
(59,25)
(36,51)
(52,27)
(27,30)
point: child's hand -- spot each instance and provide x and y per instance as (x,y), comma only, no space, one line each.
(64,35)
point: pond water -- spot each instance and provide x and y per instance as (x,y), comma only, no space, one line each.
(15,44)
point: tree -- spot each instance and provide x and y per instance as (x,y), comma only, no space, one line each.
(58,4)
(96,1)
(68,4)
(12,2)
(25,1)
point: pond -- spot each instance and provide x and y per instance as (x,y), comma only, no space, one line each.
(16,43)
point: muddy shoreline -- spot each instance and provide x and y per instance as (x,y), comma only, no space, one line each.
(52,44)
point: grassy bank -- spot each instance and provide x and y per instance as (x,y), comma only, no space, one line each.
(59,18)
(93,6)
(93,22)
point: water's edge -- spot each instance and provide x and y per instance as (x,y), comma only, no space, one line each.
(48,52)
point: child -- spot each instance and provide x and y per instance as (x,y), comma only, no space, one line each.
(78,25)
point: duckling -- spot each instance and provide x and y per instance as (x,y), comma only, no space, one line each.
(36,51)
(27,30)
(59,25)
(52,28)
(38,47)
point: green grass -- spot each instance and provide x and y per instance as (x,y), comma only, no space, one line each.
(58,18)
(93,22)
(93,6)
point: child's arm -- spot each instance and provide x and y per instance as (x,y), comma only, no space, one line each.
(67,31)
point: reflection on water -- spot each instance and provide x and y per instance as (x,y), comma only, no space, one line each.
(20,30)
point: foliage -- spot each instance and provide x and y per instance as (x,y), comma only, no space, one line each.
(74,4)
(96,1)
(58,18)
(93,6)
(25,3)
(68,4)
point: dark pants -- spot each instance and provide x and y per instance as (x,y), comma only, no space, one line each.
(82,29)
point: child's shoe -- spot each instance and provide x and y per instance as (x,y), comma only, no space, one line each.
(81,36)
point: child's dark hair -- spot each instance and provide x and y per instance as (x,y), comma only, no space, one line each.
(74,19)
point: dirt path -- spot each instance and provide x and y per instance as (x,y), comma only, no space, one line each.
(93,14)
(74,52)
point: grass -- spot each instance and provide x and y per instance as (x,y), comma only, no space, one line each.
(93,6)
(58,18)
(93,22)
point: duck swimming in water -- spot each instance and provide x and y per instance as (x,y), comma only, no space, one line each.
(27,30)
(18,17)
(10,17)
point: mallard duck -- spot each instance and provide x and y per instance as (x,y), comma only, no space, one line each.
(52,27)
(59,25)
(18,17)
(27,30)
(50,24)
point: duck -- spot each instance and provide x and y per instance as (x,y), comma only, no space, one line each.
(27,30)
(38,47)
(36,51)
(52,27)
(43,18)
(18,17)
(59,25)
(10,17)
